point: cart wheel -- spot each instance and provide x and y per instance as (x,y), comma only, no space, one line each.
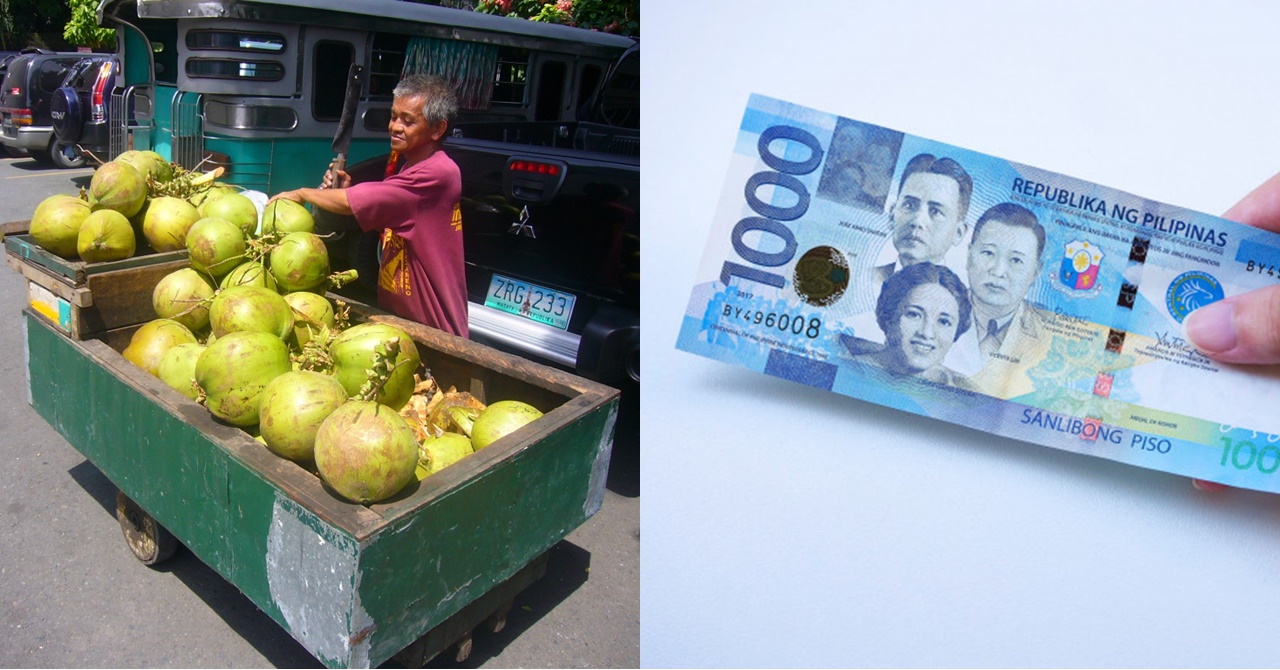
(463,648)
(148,540)
(498,620)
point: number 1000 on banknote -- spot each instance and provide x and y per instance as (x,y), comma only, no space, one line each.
(960,286)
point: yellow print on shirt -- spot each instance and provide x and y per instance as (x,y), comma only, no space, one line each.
(393,277)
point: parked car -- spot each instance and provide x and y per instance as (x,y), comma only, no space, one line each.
(5,58)
(80,106)
(26,98)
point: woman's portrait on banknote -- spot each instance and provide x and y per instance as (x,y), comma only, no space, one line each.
(922,310)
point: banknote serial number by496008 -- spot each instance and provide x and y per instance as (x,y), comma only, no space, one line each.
(795,324)
(1262,268)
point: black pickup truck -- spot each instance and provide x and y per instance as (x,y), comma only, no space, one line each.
(551,225)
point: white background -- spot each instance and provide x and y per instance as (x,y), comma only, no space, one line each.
(785,526)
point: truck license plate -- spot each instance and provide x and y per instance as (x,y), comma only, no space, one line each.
(530,301)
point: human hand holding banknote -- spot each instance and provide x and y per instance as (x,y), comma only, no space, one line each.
(1244,328)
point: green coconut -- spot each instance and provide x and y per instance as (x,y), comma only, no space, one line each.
(215,246)
(148,163)
(235,370)
(106,235)
(300,262)
(365,451)
(149,343)
(496,421)
(213,192)
(438,453)
(286,216)
(252,308)
(249,273)
(183,295)
(177,368)
(292,409)
(55,225)
(165,222)
(118,186)
(312,313)
(355,351)
(233,207)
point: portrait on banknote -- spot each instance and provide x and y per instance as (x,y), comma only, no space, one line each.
(923,310)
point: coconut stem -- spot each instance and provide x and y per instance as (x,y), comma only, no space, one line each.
(341,315)
(380,372)
(340,279)
(315,353)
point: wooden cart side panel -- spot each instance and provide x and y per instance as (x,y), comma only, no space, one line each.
(123,297)
(463,353)
(481,533)
(220,509)
(105,300)
(167,466)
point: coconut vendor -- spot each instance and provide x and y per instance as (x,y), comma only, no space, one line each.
(417,207)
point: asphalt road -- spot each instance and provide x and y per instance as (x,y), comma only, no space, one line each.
(72,595)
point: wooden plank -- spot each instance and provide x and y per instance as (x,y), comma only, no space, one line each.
(509,365)
(123,297)
(24,247)
(14,228)
(105,300)
(57,285)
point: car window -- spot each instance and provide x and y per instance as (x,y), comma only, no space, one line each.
(83,75)
(15,77)
(49,75)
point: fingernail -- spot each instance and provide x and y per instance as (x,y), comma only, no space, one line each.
(1211,328)
(1211,487)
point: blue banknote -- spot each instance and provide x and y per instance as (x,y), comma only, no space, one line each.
(960,286)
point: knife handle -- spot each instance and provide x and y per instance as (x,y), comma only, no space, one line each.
(339,163)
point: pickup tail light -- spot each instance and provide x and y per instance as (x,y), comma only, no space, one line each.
(97,102)
(534,167)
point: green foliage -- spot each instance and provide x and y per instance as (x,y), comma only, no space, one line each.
(611,16)
(82,28)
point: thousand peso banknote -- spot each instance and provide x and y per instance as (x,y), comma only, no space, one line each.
(960,286)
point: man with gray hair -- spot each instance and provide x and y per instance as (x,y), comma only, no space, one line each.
(417,206)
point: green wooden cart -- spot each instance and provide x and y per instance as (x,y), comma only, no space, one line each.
(354,584)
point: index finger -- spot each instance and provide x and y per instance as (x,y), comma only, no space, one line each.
(1260,208)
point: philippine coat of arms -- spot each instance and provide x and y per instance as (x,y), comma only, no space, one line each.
(1079,270)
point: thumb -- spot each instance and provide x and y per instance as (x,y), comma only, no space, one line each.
(1241,329)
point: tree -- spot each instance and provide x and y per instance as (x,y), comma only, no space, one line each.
(610,16)
(82,29)
(32,23)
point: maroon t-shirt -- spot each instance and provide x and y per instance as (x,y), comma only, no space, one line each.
(423,276)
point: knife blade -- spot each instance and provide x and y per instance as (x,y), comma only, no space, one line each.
(346,123)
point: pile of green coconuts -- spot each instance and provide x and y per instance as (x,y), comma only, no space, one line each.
(250,331)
